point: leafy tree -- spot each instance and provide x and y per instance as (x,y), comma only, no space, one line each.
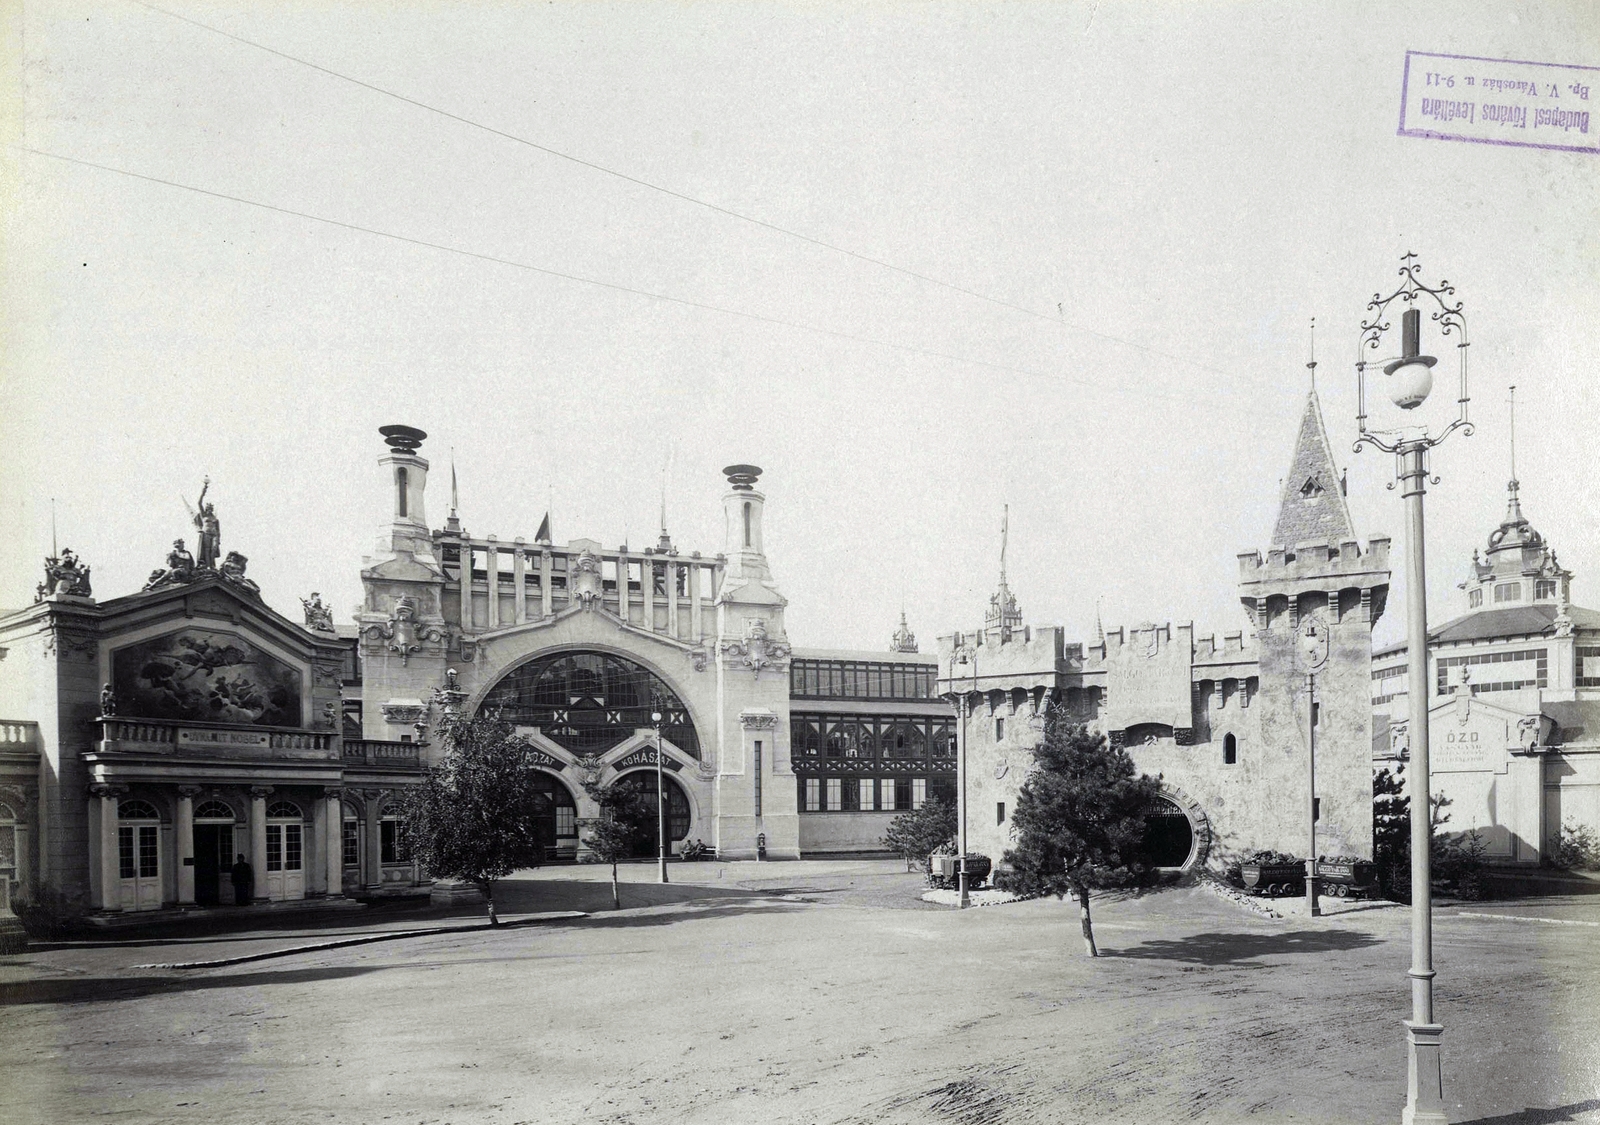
(1452,858)
(919,833)
(611,838)
(477,814)
(1080,820)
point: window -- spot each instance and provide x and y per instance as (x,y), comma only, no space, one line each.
(1230,750)
(136,810)
(758,779)
(919,791)
(1544,588)
(813,794)
(283,810)
(999,812)
(213,810)
(835,794)
(886,798)
(1588,666)
(392,844)
(1530,668)
(350,842)
(999,730)
(747,523)
(1474,599)
(868,788)
(902,793)
(1508,592)
(400,489)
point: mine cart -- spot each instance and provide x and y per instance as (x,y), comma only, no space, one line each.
(1348,878)
(944,871)
(1274,879)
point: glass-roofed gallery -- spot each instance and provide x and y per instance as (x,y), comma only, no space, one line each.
(589,702)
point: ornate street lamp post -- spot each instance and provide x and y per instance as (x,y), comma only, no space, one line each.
(1409,380)
(963,654)
(661,805)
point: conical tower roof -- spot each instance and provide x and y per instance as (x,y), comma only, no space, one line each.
(1313,507)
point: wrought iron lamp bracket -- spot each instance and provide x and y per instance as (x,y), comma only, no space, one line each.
(1452,321)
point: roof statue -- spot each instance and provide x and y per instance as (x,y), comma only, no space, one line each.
(63,575)
(1313,507)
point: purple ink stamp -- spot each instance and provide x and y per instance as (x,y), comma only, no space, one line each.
(1498,102)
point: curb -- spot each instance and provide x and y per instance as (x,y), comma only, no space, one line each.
(1524,918)
(368,939)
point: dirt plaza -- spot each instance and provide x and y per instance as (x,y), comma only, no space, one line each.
(810,992)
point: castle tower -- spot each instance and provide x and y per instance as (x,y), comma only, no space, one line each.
(1313,602)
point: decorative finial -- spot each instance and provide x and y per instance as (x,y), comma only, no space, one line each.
(1513,435)
(402,439)
(1312,366)
(453,492)
(742,477)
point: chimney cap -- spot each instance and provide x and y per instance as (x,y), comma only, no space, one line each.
(742,477)
(402,439)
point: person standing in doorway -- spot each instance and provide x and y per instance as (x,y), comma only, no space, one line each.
(244,881)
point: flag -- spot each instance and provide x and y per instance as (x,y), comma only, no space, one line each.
(544,530)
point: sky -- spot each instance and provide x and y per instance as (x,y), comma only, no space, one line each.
(918,262)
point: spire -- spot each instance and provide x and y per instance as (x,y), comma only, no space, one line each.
(1003,615)
(1099,629)
(453,523)
(1313,507)
(904,639)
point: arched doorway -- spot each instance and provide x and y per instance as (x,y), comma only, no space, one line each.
(1168,835)
(591,702)
(213,851)
(286,876)
(558,817)
(647,828)
(139,855)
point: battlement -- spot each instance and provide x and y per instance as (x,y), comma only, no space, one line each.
(1027,658)
(1314,559)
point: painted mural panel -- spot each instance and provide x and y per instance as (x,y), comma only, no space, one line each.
(197,674)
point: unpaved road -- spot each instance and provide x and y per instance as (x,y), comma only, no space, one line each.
(816,1001)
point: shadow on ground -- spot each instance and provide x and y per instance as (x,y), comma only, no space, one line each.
(1230,949)
(89,990)
(1531,1116)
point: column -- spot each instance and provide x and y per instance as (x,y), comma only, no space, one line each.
(647,586)
(333,815)
(108,885)
(184,843)
(317,857)
(519,579)
(258,839)
(372,869)
(544,584)
(467,622)
(492,567)
(622,583)
(672,597)
(697,625)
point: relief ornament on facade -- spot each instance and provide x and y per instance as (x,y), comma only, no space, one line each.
(403,632)
(584,583)
(757,650)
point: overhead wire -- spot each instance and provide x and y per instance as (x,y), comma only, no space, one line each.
(656,295)
(683,197)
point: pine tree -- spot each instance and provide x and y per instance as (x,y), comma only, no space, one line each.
(477,814)
(916,835)
(1080,820)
